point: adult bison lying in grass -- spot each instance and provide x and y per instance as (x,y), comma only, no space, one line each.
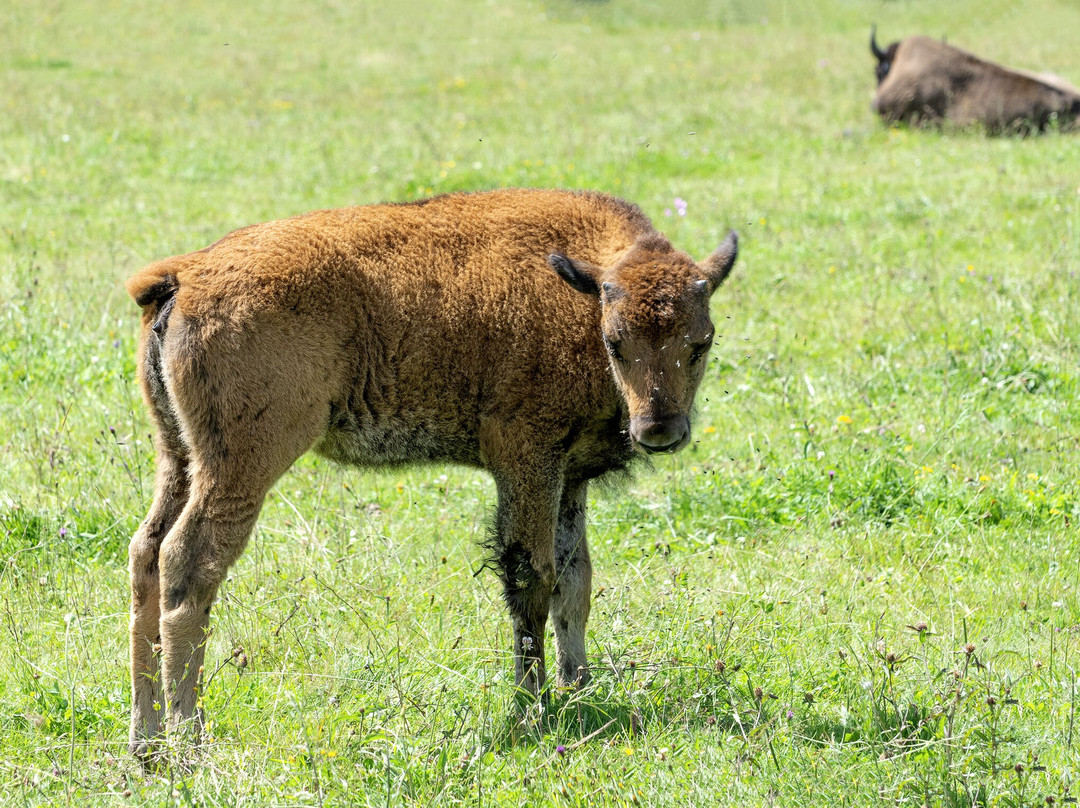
(926,82)
(435,331)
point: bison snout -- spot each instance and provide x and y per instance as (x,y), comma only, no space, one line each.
(667,434)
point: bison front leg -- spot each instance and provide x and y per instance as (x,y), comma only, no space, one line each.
(571,598)
(524,546)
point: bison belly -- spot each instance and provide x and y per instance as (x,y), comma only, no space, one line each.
(370,438)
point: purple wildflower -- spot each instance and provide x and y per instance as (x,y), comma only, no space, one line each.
(560,749)
(680,206)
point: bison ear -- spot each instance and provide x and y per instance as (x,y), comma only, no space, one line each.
(718,265)
(579,274)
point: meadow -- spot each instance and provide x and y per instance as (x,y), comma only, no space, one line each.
(858,586)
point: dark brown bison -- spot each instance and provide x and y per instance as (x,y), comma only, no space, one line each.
(923,81)
(542,335)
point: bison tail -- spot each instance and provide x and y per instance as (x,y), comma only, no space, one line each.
(154,289)
(153,285)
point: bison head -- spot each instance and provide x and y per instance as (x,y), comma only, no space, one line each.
(656,328)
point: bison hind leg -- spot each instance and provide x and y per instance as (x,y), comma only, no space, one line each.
(247,410)
(170,497)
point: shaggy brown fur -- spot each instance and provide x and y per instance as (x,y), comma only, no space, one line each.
(923,81)
(389,334)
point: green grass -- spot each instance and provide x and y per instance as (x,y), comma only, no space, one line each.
(858,586)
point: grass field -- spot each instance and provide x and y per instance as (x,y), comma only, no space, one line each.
(859,585)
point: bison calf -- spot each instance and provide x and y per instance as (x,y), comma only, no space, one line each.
(541,335)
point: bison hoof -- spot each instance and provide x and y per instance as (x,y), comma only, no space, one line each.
(146,752)
(574,677)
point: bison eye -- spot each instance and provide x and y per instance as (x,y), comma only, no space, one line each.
(613,349)
(699,351)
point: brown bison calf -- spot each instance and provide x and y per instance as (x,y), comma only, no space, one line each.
(427,332)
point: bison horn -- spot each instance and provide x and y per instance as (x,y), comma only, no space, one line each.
(717,266)
(874,49)
(609,292)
